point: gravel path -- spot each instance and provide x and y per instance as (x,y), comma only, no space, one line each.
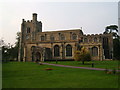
(89,68)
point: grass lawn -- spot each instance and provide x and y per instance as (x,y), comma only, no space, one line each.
(32,75)
(97,64)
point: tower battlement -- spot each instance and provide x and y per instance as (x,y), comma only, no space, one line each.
(55,42)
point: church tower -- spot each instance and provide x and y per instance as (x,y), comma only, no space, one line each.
(34,17)
(29,30)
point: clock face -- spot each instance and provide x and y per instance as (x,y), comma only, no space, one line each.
(27,37)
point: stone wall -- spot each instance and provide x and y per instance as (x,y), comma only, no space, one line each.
(32,35)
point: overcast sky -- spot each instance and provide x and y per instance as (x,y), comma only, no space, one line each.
(93,17)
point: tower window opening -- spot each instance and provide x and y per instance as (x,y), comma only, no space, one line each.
(28,29)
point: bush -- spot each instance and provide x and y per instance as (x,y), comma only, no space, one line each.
(77,55)
(82,55)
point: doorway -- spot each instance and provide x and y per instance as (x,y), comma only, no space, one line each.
(38,56)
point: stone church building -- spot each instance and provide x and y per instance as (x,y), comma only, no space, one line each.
(60,45)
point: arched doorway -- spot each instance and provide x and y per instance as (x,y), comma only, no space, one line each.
(37,56)
(37,53)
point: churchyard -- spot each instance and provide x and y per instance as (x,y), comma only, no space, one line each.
(33,75)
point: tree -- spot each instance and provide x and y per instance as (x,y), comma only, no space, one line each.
(82,55)
(5,53)
(4,50)
(16,48)
(116,40)
(10,52)
(1,42)
(112,29)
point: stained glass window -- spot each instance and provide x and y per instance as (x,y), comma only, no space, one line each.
(56,51)
(68,50)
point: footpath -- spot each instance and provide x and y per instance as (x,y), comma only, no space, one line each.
(89,68)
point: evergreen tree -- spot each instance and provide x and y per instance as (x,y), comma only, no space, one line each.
(116,40)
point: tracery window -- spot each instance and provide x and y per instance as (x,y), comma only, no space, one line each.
(68,50)
(42,38)
(95,39)
(62,37)
(56,51)
(74,36)
(90,40)
(52,38)
(85,40)
(94,51)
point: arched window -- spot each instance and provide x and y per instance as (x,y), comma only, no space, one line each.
(56,51)
(85,40)
(90,39)
(62,37)
(28,29)
(74,36)
(68,50)
(52,38)
(95,39)
(42,38)
(94,51)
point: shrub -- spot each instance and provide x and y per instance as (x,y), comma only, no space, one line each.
(82,55)
(77,55)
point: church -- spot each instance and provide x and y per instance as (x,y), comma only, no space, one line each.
(36,45)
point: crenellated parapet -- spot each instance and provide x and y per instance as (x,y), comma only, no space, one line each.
(63,42)
(30,21)
(95,38)
(92,35)
(97,35)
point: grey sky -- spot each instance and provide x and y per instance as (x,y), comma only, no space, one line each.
(93,17)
